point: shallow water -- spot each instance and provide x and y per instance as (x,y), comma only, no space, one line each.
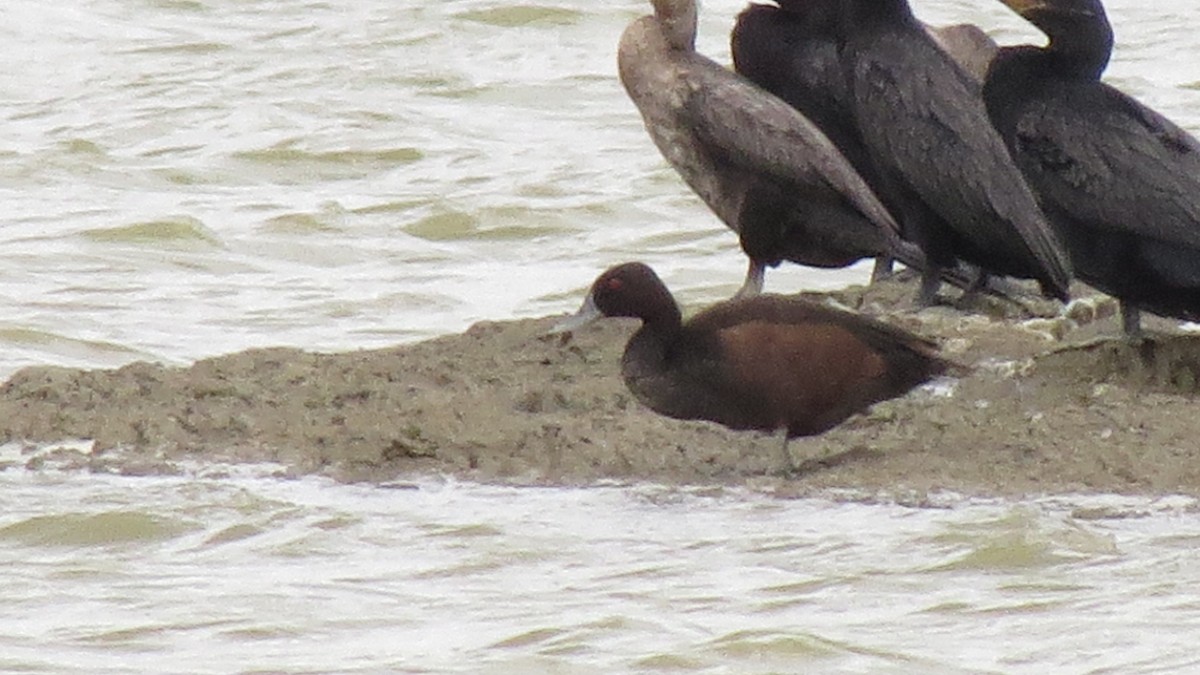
(184,178)
(228,571)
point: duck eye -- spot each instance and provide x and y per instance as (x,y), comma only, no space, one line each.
(614,284)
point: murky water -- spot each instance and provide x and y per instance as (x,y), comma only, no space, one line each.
(183,178)
(223,572)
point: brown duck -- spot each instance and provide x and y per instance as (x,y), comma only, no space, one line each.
(766,362)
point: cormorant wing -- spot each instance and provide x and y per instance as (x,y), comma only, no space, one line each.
(751,128)
(929,125)
(1113,163)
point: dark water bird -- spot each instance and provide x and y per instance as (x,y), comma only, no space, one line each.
(791,50)
(766,362)
(968,45)
(1120,182)
(768,172)
(924,123)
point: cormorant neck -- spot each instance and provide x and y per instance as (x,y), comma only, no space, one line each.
(1012,78)
(857,13)
(814,14)
(678,21)
(1081,43)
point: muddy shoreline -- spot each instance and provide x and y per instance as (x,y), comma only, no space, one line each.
(1053,405)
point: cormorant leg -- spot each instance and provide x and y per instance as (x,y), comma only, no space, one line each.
(1131,321)
(754,280)
(789,466)
(882,269)
(977,285)
(931,279)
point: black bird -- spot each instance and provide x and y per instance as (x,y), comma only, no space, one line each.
(766,362)
(791,50)
(925,126)
(970,47)
(1119,182)
(767,171)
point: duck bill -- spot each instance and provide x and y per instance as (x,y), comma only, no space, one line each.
(588,313)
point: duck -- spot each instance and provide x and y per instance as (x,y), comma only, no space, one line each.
(771,363)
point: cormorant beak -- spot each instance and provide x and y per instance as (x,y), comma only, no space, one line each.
(588,313)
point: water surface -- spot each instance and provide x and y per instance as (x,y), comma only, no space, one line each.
(184,178)
(237,571)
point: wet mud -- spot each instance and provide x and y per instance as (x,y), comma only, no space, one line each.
(1055,402)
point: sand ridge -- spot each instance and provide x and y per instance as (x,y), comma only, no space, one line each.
(1052,405)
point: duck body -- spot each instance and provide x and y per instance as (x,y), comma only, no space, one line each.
(771,362)
(767,362)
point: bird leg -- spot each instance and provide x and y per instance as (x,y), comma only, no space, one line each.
(754,280)
(882,269)
(789,466)
(977,286)
(931,280)
(1131,321)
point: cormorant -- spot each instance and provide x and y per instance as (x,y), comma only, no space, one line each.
(970,47)
(791,50)
(925,126)
(767,171)
(1119,182)
(767,362)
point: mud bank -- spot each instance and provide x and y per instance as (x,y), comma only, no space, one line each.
(1052,405)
